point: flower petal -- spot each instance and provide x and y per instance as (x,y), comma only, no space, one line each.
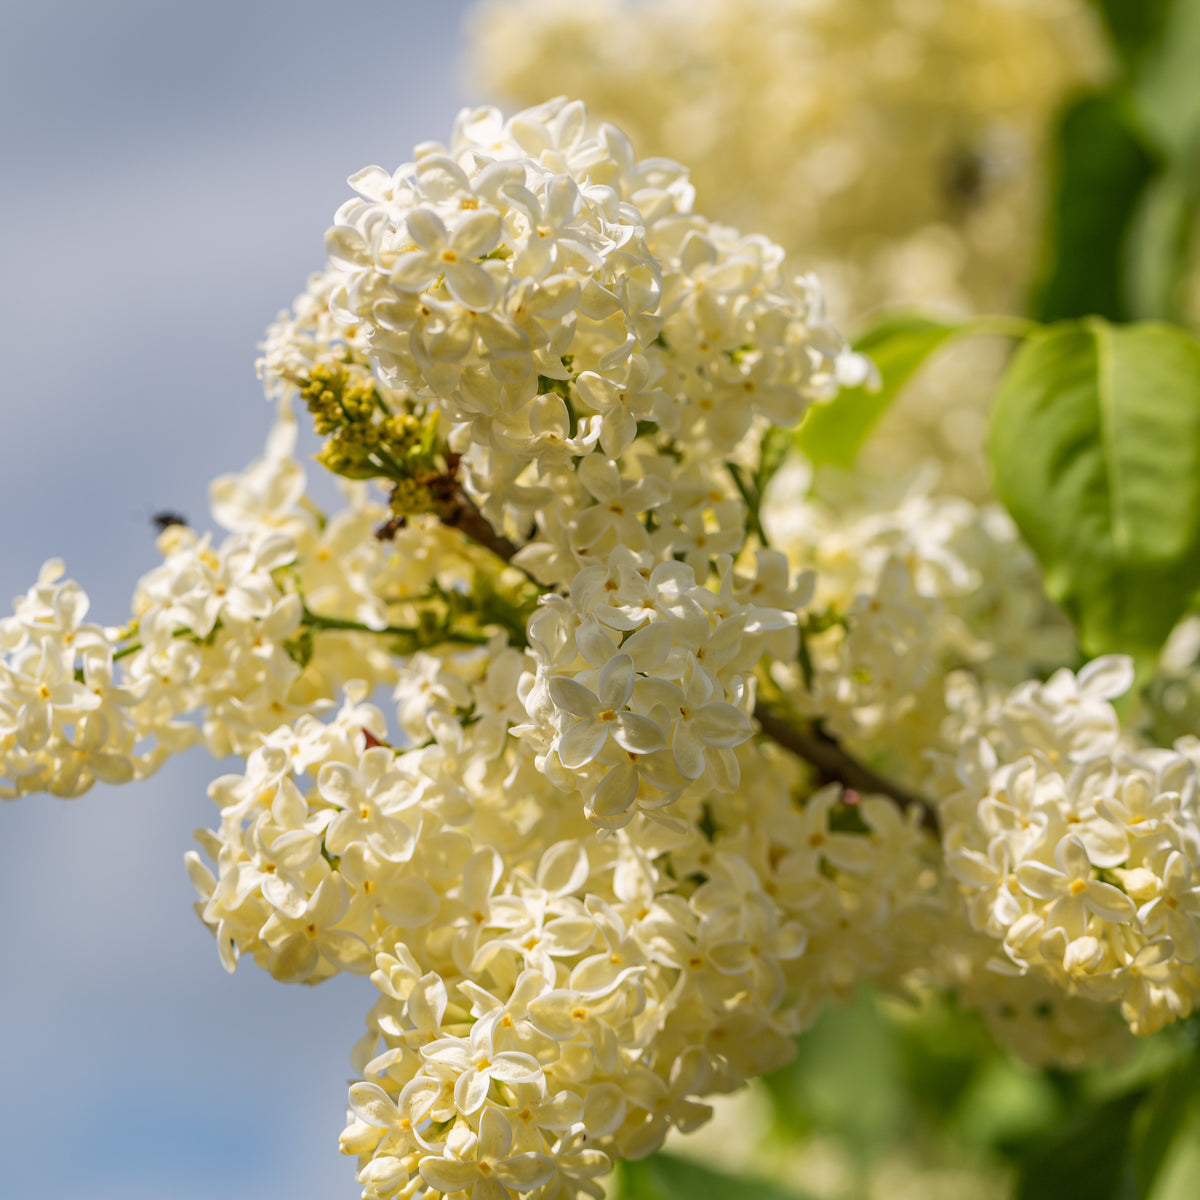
(617,791)
(471,1090)
(581,743)
(722,725)
(478,233)
(511,1066)
(425,228)
(524,1172)
(446,1175)
(470,285)
(615,683)
(686,750)
(571,696)
(370,1103)
(637,734)
(1109,903)
(1040,881)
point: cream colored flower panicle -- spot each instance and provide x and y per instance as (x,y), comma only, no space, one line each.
(547,1001)
(909,586)
(1077,851)
(220,647)
(81,703)
(66,719)
(645,678)
(590,346)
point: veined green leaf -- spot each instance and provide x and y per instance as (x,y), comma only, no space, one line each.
(1095,448)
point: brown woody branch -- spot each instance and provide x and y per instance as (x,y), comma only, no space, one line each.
(461,513)
(835,765)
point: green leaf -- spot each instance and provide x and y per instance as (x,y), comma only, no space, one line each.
(1095,449)
(1128,173)
(833,433)
(1178,1177)
(1135,26)
(1159,45)
(846,1077)
(1168,1117)
(1165,88)
(1102,169)
(666,1177)
(1157,250)
(1086,1157)
(1007,1106)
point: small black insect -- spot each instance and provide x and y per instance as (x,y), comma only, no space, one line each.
(164,520)
(965,179)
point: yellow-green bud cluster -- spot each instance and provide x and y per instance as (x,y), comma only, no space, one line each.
(340,400)
(411,497)
(365,439)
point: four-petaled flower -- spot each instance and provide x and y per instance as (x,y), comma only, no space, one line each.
(602,714)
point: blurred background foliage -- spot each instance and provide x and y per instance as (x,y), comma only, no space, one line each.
(1122,227)
(916,1102)
(898,1099)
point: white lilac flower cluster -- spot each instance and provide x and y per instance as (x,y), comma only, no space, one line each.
(897,148)
(644,682)
(593,347)
(208,632)
(1076,849)
(65,721)
(548,1001)
(210,653)
(909,587)
(656,789)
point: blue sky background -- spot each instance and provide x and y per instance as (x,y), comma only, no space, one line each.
(167,171)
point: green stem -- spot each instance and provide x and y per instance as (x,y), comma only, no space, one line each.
(752,501)
(320,624)
(134,647)
(391,468)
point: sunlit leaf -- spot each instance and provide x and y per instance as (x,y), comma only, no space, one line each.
(1095,448)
